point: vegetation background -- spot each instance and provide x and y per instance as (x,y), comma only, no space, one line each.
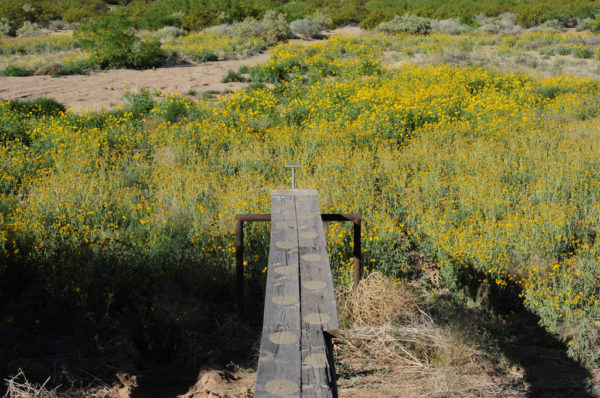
(479,187)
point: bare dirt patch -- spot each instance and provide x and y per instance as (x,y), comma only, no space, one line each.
(105,89)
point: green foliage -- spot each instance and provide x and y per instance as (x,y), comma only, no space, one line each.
(199,18)
(378,16)
(305,27)
(114,44)
(6,28)
(346,12)
(232,76)
(174,109)
(28,29)
(469,20)
(273,27)
(13,70)
(37,107)
(407,24)
(140,102)
(15,113)
(583,52)
(87,11)
(594,25)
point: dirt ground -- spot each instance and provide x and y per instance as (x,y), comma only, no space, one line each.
(105,89)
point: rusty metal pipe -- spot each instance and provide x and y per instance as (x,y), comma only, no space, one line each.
(239,266)
(357,254)
(239,249)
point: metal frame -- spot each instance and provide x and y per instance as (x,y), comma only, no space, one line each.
(239,248)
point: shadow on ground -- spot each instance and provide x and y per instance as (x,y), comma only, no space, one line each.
(514,337)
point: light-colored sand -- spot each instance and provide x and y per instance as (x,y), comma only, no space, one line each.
(105,89)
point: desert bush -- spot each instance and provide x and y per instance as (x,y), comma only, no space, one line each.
(451,26)
(406,23)
(248,28)
(469,20)
(169,31)
(37,107)
(322,20)
(582,52)
(141,102)
(233,76)
(114,44)
(594,25)
(347,12)
(28,29)
(529,16)
(378,16)
(6,27)
(199,18)
(12,70)
(305,27)
(502,24)
(57,24)
(275,27)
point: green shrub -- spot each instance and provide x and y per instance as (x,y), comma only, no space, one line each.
(38,107)
(82,13)
(378,16)
(469,20)
(322,20)
(6,28)
(304,27)
(347,12)
(173,110)
(563,51)
(275,27)
(147,54)
(114,44)
(406,23)
(594,25)
(233,77)
(28,29)
(12,70)
(140,103)
(529,16)
(200,17)
(582,52)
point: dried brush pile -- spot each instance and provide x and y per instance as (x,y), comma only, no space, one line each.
(390,339)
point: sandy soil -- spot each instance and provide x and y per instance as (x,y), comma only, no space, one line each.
(105,89)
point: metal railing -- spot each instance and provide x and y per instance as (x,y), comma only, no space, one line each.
(240,219)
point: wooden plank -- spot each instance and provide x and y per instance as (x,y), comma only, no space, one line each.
(282,306)
(318,369)
(279,364)
(318,299)
(318,308)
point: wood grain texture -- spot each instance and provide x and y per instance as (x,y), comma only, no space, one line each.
(279,365)
(295,349)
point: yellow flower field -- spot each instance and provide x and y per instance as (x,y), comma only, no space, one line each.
(493,176)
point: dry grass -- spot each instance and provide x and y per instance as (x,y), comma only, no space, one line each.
(18,386)
(389,339)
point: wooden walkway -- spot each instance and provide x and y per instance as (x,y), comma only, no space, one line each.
(295,355)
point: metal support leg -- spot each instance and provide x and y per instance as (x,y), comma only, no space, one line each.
(239,267)
(357,253)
